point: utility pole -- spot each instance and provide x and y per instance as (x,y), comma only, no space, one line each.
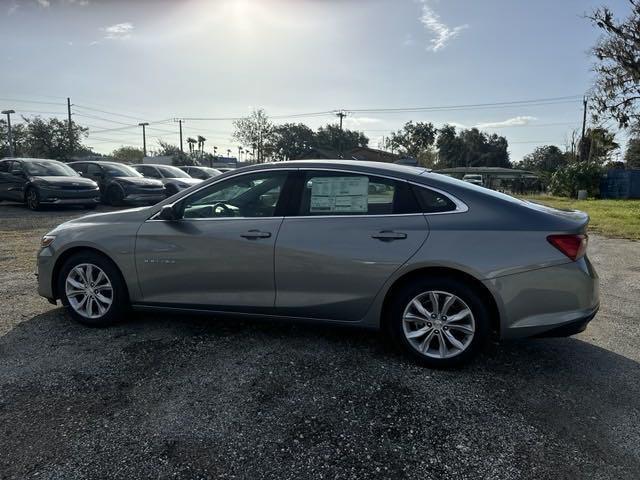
(179,120)
(70,128)
(584,125)
(341,114)
(144,136)
(8,114)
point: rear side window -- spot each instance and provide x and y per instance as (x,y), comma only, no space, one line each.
(339,193)
(79,167)
(4,166)
(433,202)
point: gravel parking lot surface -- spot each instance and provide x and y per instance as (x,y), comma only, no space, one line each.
(194,397)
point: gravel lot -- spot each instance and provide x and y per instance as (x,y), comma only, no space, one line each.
(195,397)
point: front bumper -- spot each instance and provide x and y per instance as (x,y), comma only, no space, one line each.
(560,298)
(69,197)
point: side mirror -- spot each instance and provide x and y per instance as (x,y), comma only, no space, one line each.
(169,213)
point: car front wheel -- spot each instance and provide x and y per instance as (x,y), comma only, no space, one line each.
(33,199)
(440,322)
(92,290)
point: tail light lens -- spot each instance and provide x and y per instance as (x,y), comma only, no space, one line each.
(573,246)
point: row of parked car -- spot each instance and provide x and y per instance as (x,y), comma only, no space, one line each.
(38,182)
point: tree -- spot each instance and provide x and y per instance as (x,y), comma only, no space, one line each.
(43,138)
(567,180)
(292,140)
(632,155)
(201,141)
(128,154)
(545,160)
(471,148)
(191,142)
(597,146)
(331,136)
(178,157)
(254,131)
(450,148)
(414,138)
(617,89)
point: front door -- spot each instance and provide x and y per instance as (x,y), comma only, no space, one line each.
(350,233)
(219,254)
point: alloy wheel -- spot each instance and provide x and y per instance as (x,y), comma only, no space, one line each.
(32,199)
(438,324)
(89,290)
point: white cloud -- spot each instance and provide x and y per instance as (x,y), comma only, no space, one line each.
(13,8)
(44,3)
(95,42)
(119,31)
(441,32)
(357,121)
(510,122)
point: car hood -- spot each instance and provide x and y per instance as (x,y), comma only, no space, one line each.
(188,181)
(139,181)
(58,181)
(138,214)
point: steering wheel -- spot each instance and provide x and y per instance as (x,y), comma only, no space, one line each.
(221,209)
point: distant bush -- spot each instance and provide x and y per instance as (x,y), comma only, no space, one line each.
(567,180)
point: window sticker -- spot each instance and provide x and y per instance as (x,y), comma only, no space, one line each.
(339,195)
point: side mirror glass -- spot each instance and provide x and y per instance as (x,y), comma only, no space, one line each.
(169,213)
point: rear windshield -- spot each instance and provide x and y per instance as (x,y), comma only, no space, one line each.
(44,168)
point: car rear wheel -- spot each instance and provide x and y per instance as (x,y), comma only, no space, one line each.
(115,196)
(440,322)
(92,290)
(33,199)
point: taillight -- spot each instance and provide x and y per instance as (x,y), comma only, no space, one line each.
(573,246)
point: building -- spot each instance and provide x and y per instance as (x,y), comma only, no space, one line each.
(499,178)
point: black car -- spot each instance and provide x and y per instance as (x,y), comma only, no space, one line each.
(203,173)
(37,182)
(120,183)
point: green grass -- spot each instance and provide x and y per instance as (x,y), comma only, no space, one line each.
(613,218)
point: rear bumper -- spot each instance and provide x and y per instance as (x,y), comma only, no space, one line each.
(551,301)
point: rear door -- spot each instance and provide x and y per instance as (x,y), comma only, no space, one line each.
(219,255)
(346,236)
(15,182)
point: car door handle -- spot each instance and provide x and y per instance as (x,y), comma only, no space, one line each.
(388,236)
(253,234)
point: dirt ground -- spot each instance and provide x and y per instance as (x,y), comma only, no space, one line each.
(165,396)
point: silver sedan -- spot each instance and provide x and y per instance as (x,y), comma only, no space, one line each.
(438,264)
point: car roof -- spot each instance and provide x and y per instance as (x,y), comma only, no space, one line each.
(152,165)
(25,159)
(100,162)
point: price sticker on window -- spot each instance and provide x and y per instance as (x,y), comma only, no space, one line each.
(339,194)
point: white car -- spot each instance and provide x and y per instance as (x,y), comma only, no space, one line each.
(173,178)
(474,178)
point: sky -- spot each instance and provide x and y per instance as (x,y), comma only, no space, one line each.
(124,62)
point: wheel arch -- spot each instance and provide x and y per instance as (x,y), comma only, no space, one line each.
(64,256)
(448,272)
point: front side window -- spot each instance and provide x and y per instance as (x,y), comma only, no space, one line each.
(148,172)
(250,195)
(116,170)
(337,193)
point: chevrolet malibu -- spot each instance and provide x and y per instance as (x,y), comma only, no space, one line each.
(438,264)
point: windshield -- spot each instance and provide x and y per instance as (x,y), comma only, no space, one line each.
(172,172)
(43,168)
(120,170)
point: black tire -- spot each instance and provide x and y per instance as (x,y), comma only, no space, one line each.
(460,289)
(115,196)
(32,199)
(119,308)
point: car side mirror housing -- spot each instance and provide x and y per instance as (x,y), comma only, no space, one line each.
(169,213)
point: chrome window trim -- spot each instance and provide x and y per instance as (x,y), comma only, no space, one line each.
(461,207)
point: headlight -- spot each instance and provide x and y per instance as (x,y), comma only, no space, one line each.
(47,240)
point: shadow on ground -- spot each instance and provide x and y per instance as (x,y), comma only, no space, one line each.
(194,397)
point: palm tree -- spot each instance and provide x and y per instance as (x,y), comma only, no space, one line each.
(191,141)
(240,153)
(228,152)
(201,141)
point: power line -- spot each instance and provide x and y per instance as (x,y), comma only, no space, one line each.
(31,101)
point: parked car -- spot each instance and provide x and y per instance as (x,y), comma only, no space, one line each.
(202,173)
(120,184)
(173,179)
(473,178)
(438,264)
(38,181)
(225,169)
